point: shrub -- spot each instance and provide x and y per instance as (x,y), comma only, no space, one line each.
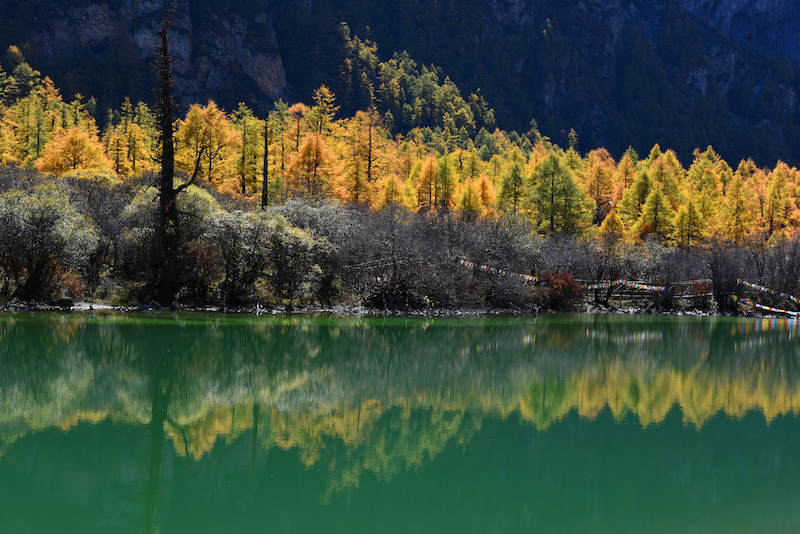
(41,233)
(197,210)
(563,292)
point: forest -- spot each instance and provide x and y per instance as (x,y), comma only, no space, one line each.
(374,196)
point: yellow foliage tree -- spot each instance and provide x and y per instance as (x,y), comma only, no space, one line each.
(599,180)
(738,209)
(72,149)
(688,225)
(469,198)
(313,167)
(426,183)
(392,191)
(203,138)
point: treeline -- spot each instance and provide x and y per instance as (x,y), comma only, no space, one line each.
(351,213)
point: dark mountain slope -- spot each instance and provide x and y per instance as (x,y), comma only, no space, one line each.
(222,50)
(681,73)
(619,72)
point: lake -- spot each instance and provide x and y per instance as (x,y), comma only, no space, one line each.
(194,423)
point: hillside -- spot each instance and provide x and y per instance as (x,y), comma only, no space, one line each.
(683,74)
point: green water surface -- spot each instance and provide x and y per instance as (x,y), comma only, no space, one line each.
(565,423)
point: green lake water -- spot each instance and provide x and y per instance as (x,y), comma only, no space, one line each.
(195,423)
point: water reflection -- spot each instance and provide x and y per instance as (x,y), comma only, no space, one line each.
(361,396)
(218,377)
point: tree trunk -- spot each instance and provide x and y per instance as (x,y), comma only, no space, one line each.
(165,257)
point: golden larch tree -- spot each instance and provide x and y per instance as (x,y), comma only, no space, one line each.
(72,149)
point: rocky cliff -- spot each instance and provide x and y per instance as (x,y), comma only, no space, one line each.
(219,50)
(770,26)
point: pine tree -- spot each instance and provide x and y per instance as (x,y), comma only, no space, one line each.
(166,272)
(426,184)
(71,150)
(248,145)
(657,215)
(445,183)
(204,138)
(667,172)
(688,226)
(776,211)
(560,203)
(115,144)
(513,189)
(612,229)
(355,186)
(633,198)
(599,181)
(324,109)
(298,112)
(138,149)
(312,167)
(469,201)
(737,212)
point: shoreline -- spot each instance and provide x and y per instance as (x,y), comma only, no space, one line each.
(65,306)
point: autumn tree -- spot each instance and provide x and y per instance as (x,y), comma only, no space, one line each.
(297,112)
(560,203)
(393,191)
(657,215)
(248,146)
(469,201)
(275,139)
(360,160)
(688,225)
(634,197)
(324,109)
(626,169)
(312,167)
(667,171)
(41,232)
(737,212)
(115,144)
(293,254)
(512,191)
(445,183)
(776,209)
(486,191)
(706,177)
(426,183)
(203,138)
(72,149)
(599,180)
(243,241)
(138,146)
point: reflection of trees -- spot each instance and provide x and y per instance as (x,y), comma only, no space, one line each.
(375,395)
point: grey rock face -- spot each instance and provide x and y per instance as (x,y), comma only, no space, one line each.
(770,26)
(206,56)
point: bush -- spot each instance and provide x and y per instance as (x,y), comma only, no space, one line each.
(255,244)
(341,227)
(292,253)
(395,295)
(42,234)
(197,210)
(563,292)
(723,260)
